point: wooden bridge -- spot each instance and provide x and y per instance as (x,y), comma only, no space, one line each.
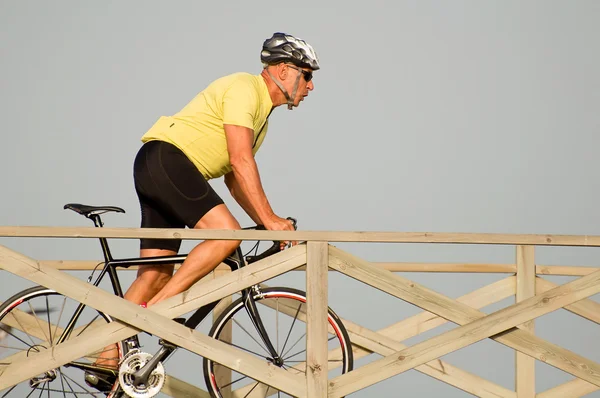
(511,326)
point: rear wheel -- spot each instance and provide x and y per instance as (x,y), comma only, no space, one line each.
(283,312)
(31,322)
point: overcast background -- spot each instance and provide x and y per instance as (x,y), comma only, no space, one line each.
(441,116)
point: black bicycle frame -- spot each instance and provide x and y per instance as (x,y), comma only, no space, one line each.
(235,262)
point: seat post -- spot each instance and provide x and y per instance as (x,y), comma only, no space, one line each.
(112,272)
(103,242)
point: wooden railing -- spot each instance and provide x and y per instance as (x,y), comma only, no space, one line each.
(511,326)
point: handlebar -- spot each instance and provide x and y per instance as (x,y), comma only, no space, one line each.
(275,248)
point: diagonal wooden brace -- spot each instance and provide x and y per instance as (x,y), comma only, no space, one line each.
(477,325)
(156,320)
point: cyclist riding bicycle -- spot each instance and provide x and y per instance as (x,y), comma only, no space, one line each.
(216,134)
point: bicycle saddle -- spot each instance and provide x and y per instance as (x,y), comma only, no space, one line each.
(88,210)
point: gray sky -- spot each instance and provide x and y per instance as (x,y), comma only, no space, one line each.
(455,116)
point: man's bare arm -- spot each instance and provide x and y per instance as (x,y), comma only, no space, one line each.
(239,196)
(245,170)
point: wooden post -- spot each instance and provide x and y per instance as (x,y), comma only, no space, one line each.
(316,309)
(223,374)
(525,365)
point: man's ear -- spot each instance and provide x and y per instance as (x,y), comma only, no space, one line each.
(282,71)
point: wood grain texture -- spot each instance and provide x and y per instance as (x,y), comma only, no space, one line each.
(317,259)
(325,236)
(524,364)
(156,320)
(461,314)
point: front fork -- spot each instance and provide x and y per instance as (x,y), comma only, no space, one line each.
(250,305)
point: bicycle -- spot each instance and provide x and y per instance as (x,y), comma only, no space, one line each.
(140,374)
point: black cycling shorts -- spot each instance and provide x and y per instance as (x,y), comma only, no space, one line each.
(171,190)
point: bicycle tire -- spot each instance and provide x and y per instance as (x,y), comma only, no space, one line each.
(35,334)
(290,296)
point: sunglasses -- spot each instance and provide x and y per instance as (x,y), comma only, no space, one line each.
(308,75)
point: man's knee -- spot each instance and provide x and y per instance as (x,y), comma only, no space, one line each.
(231,224)
(220,217)
(230,245)
(234,244)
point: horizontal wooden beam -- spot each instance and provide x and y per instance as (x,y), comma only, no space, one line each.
(564,270)
(325,236)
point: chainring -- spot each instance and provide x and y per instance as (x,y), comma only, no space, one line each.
(133,362)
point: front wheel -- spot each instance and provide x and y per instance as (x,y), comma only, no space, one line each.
(283,312)
(31,322)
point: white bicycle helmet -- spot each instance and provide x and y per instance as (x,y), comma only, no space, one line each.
(282,47)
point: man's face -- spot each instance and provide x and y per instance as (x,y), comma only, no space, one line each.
(305,84)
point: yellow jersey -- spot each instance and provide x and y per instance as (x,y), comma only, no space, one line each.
(197,130)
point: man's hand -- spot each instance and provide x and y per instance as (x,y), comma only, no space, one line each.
(276,223)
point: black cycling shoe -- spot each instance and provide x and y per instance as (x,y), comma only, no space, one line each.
(100,381)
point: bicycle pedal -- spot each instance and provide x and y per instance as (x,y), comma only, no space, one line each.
(99,382)
(167,344)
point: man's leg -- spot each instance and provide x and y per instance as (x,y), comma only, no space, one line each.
(174,194)
(204,257)
(150,280)
(154,283)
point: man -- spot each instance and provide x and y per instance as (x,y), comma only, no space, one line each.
(216,134)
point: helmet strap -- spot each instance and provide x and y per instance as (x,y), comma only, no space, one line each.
(290,99)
